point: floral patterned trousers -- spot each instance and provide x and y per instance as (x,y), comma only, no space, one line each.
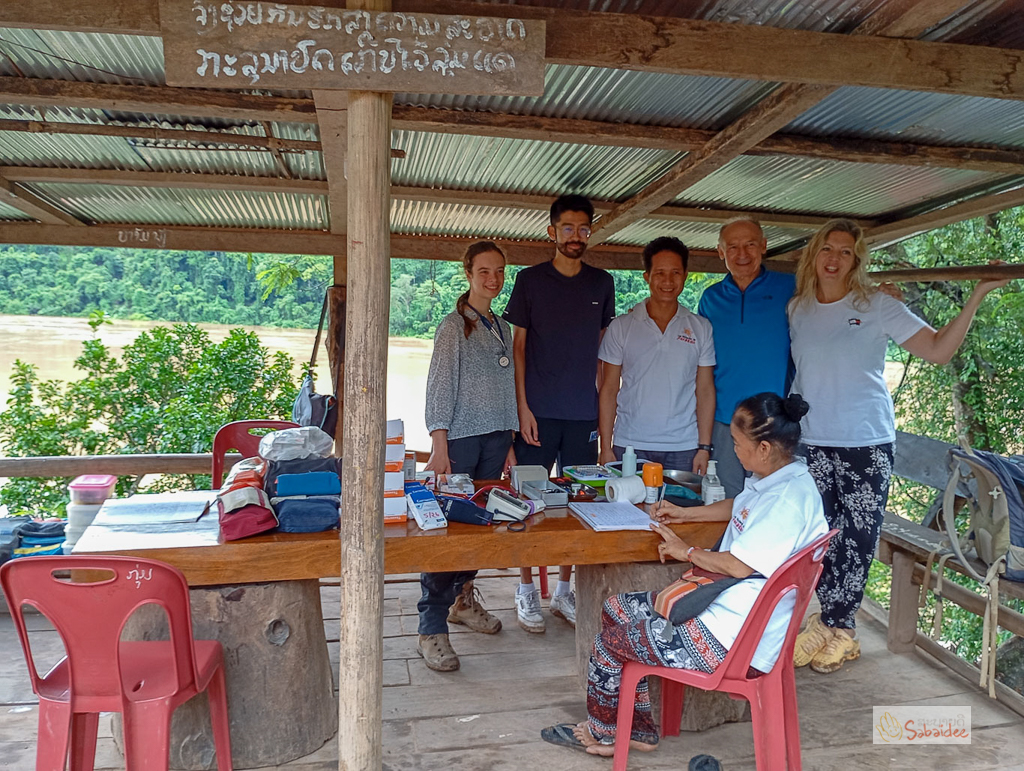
(854,486)
(632,631)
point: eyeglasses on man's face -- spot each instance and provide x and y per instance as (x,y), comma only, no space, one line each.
(568,231)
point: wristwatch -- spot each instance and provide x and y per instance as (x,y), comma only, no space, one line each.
(706,447)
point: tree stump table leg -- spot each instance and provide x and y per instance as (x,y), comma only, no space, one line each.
(594,584)
(280,691)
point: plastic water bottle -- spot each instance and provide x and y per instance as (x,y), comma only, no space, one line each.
(629,462)
(711,488)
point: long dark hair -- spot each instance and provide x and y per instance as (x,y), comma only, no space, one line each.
(475,249)
(767,417)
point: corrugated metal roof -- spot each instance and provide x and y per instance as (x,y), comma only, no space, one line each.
(525,166)
(590,93)
(106,204)
(10,214)
(809,185)
(997,23)
(421,218)
(698,235)
(819,15)
(81,56)
(906,116)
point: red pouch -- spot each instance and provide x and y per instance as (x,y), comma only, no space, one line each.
(244,512)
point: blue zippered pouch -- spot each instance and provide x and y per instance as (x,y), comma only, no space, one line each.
(309,483)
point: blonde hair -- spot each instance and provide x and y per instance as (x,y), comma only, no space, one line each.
(857,280)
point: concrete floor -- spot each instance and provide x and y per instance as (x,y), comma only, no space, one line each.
(489,714)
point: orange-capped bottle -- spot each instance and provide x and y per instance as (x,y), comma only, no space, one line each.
(653,480)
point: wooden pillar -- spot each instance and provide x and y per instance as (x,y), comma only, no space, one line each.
(903,610)
(336,305)
(361,677)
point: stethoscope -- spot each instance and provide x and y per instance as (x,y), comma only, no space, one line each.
(503,359)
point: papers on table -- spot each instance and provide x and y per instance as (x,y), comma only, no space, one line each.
(612,516)
(155,508)
(152,521)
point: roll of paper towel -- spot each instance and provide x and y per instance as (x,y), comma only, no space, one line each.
(625,489)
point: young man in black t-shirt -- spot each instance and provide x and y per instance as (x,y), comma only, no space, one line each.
(560,310)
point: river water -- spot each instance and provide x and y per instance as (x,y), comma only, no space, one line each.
(53,343)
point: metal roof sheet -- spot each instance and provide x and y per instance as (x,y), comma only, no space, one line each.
(906,116)
(199,208)
(525,166)
(809,185)
(10,214)
(591,93)
(699,235)
(83,56)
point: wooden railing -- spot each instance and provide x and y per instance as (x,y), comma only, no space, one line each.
(121,465)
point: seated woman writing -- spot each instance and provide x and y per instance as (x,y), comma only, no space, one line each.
(778,513)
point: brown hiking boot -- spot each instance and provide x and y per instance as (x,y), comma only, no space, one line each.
(468,611)
(437,652)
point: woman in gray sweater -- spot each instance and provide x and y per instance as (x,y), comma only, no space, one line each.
(471,416)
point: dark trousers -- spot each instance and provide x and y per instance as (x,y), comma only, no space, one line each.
(482,457)
(570,442)
(854,487)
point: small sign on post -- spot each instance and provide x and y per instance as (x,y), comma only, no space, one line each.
(246,45)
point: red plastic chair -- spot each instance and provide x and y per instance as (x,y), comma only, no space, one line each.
(239,436)
(772,696)
(145,681)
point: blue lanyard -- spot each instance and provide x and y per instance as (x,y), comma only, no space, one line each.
(490,327)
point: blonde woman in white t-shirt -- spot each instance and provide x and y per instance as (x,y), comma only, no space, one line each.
(840,327)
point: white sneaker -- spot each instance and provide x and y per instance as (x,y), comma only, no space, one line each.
(564,606)
(528,611)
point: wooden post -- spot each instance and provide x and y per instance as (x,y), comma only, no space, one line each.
(336,305)
(903,610)
(361,676)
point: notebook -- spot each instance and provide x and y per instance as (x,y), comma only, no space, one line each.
(615,515)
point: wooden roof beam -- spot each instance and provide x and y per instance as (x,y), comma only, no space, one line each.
(248,107)
(670,45)
(238,182)
(314,242)
(770,115)
(27,202)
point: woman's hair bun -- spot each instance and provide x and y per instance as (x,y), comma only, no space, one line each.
(795,407)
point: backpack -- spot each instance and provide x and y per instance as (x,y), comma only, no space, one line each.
(995,535)
(996,531)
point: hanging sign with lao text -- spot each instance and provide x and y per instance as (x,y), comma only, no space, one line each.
(247,45)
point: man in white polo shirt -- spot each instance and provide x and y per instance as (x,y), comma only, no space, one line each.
(658,392)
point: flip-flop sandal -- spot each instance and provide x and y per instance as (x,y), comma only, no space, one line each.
(562,735)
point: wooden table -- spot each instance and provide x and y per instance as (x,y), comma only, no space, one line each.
(263,604)
(553,537)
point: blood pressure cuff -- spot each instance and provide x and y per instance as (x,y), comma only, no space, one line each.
(461,510)
(307,513)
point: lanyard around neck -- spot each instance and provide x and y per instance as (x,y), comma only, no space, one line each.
(497,334)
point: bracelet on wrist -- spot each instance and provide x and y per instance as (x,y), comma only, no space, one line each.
(691,550)
(709,448)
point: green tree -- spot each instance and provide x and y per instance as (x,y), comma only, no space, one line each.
(170,391)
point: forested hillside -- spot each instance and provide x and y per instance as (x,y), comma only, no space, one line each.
(232,288)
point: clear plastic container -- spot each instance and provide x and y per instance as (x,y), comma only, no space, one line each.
(92,488)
